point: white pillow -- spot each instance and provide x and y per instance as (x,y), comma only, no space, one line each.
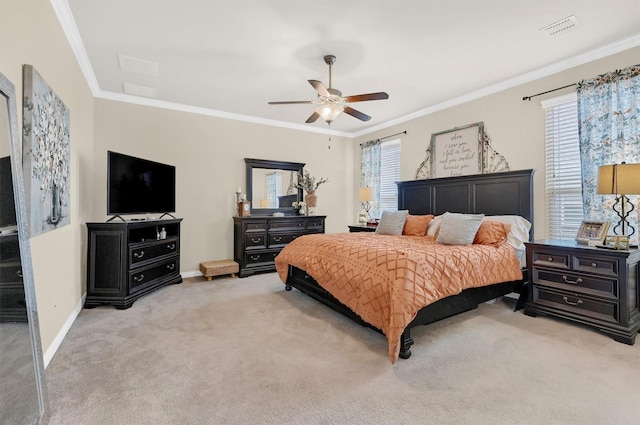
(459,229)
(434,225)
(392,222)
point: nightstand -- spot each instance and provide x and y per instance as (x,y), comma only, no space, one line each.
(362,228)
(588,285)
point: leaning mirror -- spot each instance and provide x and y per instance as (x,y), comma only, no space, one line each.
(271,186)
(22,394)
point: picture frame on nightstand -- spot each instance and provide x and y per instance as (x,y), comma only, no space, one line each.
(592,233)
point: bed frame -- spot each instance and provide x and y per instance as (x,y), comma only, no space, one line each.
(506,193)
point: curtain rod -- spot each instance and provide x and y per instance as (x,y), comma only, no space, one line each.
(386,137)
(548,91)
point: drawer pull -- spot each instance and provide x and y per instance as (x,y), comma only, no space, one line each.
(566,279)
(571,303)
(255,240)
(139,278)
(277,238)
(138,255)
(171,266)
(550,259)
(171,246)
(255,257)
(19,274)
(594,265)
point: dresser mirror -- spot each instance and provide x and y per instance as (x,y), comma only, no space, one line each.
(22,393)
(271,186)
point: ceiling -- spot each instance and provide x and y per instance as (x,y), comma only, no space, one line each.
(229,59)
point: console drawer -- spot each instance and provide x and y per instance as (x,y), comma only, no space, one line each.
(143,253)
(576,304)
(578,283)
(141,278)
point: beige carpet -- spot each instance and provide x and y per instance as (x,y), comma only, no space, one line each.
(245,351)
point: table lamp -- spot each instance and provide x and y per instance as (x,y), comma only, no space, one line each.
(365,194)
(620,180)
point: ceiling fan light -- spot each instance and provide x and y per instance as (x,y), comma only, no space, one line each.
(329,112)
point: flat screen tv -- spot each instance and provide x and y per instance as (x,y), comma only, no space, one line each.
(139,186)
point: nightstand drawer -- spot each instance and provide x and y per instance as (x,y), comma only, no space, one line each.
(551,259)
(577,305)
(606,266)
(579,283)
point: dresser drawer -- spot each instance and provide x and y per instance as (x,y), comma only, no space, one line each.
(579,283)
(141,278)
(286,225)
(11,272)
(255,240)
(577,305)
(256,226)
(606,266)
(551,259)
(260,258)
(143,253)
(316,223)
(279,240)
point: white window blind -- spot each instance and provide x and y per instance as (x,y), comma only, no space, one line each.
(563,177)
(389,174)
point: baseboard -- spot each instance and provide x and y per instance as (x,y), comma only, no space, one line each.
(193,273)
(57,341)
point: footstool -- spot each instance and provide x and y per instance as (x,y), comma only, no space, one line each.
(219,267)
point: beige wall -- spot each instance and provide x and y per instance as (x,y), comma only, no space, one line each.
(516,127)
(209,153)
(31,34)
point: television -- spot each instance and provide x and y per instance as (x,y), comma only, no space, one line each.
(7,203)
(139,186)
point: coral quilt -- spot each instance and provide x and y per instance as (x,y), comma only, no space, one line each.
(387,279)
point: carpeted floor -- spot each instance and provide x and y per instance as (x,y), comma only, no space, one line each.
(245,351)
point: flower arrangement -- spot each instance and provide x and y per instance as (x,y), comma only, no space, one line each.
(300,207)
(308,183)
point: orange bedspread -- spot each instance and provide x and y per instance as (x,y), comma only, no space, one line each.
(387,279)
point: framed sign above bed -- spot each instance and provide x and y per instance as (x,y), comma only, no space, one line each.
(457,152)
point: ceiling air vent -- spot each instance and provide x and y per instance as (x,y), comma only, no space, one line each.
(136,90)
(563,26)
(139,66)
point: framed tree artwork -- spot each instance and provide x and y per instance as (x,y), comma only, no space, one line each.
(45,154)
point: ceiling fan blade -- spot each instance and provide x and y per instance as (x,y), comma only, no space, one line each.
(313,118)
(357,114)
(291,102)
(369,96)
(320,88)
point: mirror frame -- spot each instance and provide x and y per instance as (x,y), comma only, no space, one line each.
(7,90)
(270,165)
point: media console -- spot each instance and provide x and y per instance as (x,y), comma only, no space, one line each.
(126,260)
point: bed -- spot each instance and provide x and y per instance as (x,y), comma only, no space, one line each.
(494,194)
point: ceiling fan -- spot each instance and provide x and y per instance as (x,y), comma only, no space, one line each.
(331,102)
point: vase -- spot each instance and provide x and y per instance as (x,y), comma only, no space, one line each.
(56,206)
(311,199)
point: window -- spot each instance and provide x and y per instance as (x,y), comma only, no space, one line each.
(380,170)
(563,176)
(389,175)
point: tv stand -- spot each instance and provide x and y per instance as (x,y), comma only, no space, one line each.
(116,216)
(169,214)
(127,260)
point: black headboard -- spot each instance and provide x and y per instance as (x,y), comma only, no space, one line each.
(506,193)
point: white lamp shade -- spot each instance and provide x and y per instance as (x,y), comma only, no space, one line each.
(329,112)
(365,194)
(619,179)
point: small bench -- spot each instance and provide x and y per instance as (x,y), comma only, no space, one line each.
(219,267)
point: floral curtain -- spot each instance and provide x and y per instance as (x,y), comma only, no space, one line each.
(370,172)
(609,131)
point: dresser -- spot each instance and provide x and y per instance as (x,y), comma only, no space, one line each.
(259,239)
(588,285)
(127,260)
(13,305)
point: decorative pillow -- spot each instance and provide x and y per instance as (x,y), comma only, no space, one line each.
(519,233)
(434,225)
(492,233)
(392,222)
(458,229)
(416,225)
